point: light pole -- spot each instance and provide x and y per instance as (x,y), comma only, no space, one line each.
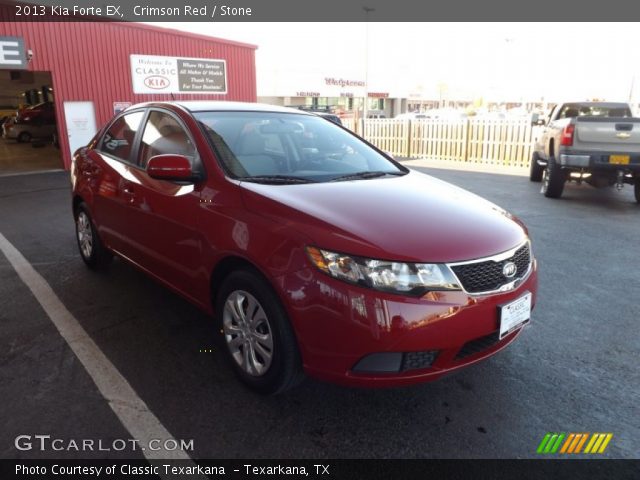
(365,107)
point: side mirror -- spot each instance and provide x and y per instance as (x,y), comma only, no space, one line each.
(537,120)
(173,168)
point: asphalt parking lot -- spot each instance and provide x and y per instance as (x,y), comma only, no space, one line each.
(575,369)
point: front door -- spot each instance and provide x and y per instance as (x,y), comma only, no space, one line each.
(164,215)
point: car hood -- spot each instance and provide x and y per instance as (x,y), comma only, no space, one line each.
(414,217)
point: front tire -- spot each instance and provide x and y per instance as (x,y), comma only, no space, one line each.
(92,250)
(259,341)
(535,171)
(24,137)
(553,180)
(636,189)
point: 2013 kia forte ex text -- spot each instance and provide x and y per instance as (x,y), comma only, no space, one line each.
(314,251)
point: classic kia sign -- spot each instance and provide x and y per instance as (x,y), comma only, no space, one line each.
(156,74)
(12,53)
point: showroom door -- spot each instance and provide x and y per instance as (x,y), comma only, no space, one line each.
(81,124)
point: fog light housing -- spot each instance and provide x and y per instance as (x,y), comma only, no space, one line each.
(395,362)
(386,362)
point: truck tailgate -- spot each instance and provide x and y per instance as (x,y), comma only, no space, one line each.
(608,134)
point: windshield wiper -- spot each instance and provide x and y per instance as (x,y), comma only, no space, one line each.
(275,179)
(364,175)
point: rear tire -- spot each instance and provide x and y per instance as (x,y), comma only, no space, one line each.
(535,171)
(553,180)
(92,250)
(257,335)
(636,189)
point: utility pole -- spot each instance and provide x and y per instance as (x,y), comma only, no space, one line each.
(365,107)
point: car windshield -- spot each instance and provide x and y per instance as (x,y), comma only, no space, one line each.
(288,148)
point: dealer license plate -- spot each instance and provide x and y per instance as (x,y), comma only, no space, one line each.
(515,314)
(619,159)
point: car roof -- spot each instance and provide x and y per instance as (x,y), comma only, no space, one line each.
(222,106)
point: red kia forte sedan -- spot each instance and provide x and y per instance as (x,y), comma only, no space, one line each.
(314,251)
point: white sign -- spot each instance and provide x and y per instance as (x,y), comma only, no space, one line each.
(156,74)
(12,53)
(120,106)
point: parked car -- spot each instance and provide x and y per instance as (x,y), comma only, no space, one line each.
(313,250)
(594,142)
(332,117)
(24,131)
(412,116)
(42,112)
(6,124)
(376,114)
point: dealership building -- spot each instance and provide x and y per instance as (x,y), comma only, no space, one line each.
(91,70)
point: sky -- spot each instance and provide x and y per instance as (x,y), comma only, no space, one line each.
(518,61)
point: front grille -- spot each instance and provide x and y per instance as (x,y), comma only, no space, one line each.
(487,276)
(478,345)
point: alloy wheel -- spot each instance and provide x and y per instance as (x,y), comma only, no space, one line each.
(85,234)
(248,333)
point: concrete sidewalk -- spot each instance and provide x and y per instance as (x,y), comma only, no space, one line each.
(464,166)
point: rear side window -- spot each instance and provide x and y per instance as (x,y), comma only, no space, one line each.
(594,110)
(163,134)
(118,141)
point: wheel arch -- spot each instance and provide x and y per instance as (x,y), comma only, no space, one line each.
(228,265)
(77,200)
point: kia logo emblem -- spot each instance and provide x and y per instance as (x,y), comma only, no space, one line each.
(157,82)
(509,269)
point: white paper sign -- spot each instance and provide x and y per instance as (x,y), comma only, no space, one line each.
(157,74)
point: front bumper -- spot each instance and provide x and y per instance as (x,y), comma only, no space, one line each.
(339,326)
(600,161)
(10,134)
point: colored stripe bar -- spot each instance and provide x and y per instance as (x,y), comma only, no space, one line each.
(591,442)
(543,443)
(554,449)
(577,438)
(596,445)
(607,439)
(581,443)
(550,443)
(568,442)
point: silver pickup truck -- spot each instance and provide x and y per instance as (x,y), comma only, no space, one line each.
(593,142)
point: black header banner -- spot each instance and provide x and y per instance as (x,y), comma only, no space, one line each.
(318,11)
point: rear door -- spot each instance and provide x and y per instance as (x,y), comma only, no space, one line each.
(108,169)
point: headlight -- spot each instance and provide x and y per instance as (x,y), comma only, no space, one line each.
(413,279)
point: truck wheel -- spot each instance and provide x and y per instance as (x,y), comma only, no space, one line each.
(535,170)
(553,180)
(636,189)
